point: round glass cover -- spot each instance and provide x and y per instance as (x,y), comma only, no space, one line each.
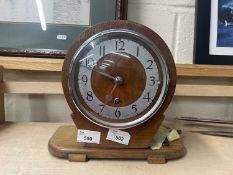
(118,78)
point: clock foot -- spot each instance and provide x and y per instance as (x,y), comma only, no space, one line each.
(77,157)
(156,159)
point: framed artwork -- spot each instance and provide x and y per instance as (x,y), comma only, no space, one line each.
(47,28)
(214,32)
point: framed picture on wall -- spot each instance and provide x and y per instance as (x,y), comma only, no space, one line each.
(214,32)
(47,28)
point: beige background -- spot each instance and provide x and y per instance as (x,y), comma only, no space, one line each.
(174,21)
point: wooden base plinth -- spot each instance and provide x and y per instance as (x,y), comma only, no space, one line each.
(141,136)
(63,145)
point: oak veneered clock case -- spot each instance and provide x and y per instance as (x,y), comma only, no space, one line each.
(119,74)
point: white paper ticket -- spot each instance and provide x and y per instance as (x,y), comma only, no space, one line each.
(118,136)
(88,136)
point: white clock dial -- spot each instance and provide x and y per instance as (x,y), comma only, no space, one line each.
(118,78)
(126,48)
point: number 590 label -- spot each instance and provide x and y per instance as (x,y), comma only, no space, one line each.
(88,136)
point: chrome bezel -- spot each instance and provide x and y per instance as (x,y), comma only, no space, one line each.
(120,125)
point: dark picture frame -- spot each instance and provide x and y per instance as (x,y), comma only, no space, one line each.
(202,37)
(27,39)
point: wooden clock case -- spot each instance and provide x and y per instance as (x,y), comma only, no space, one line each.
(141,135)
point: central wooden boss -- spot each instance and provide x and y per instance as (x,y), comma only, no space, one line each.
(116,76)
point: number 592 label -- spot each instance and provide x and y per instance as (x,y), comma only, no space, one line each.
(88,136)
(118,136)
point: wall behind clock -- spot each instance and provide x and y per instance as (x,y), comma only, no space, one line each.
(174,21)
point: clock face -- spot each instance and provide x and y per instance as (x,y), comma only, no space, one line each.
(118,78)
(130,82)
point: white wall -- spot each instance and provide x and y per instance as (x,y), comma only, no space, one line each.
(174,21)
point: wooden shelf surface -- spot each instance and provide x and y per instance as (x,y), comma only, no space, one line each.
(17,87)
(55,65)
(24,149)
(33,64)
(197,70)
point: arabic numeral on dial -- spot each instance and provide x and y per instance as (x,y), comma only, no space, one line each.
(152,80)
(134,107)
(150,63)
(90,63)
(89,96)
(84,79)
(147,97)
(102,108)
(117,113)
(120,45)
(102,50)
(137,51)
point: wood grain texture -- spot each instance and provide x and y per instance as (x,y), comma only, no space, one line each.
(130,81)
(13,87)
(196,70)
(2,111)
(34,64)
(17,87)
(158,159)
(204,90)
(77,157)
(63,143)
(141,136)
(55,65)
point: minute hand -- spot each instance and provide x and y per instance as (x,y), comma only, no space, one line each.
(101,73)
